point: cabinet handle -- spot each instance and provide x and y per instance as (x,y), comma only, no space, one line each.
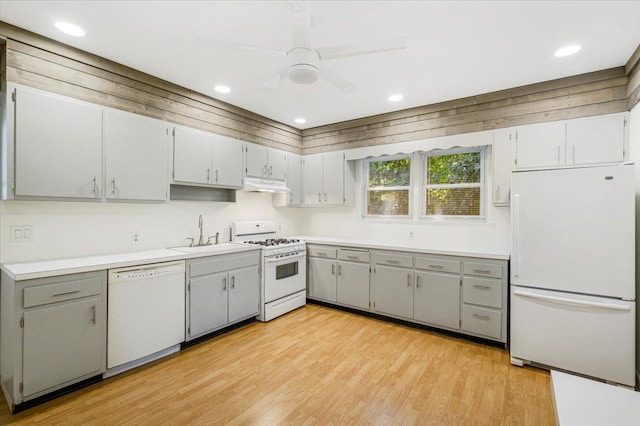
(264,170)
(573,154)
(339,269)
(224,284)
(436,266)
(93,314)
(113,186)
(216,176)
(95,187)
(319,197)
(481,317)
(408,280)
(233,281)
(418,281)
(325,197)
(558,154)
(482,287)
(333,269)
(353,257)
(208,175)
(270,170)
(498,192)
(481,271)
(64,293)
(322,254)
(393,262)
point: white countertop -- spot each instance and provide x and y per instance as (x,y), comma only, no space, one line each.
(48,268)
(401,246)
(580,401)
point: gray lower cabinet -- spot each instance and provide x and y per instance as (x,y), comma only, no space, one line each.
(221,290)
(437,299)
(352,288)
(393,290)
(322,279)
(53,333)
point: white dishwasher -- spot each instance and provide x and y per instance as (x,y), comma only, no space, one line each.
(145,314)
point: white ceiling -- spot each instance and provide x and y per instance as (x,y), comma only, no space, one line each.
(454,49)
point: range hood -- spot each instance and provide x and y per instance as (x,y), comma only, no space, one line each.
(264,185)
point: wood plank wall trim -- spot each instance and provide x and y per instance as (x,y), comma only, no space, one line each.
(45,64)
(633,71)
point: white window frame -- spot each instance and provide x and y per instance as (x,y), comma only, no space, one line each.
(482,184)
(367,189)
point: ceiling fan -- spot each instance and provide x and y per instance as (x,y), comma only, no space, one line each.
(304,63)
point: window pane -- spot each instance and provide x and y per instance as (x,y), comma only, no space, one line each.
(453,202)
(388,202)
(389,173)
(454,168)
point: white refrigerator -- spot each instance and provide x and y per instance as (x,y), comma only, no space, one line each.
(572,271)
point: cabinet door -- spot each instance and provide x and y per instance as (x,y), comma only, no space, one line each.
(541,145)
(58,146)
(256,162)
(393,291)
(191,155)
(312,179)
(333,178)
(503,155)
(207,303)
(244,293)
(353,284)
(294,180)
(136,157)
(437,299)
(596,140)
(277,164)
(322,279)
(227,162)
(62,343)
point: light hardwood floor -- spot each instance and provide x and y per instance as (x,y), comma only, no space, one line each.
(316,365)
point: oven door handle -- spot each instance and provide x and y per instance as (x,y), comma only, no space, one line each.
(286,259)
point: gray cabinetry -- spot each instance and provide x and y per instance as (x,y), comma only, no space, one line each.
(263,162)
(324,179)
(437,292)
(52,333)
(393,284)
(321,272)
(221,290)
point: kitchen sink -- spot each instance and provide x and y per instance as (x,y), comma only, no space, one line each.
(209,249)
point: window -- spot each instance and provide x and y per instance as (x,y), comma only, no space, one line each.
(388,186)
(454,183)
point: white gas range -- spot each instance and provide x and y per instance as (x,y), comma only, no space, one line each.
(283,269)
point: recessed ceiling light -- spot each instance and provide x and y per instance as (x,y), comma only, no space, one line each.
(222,89)
(566,51)
(300,120)
(396,97)
(70,29)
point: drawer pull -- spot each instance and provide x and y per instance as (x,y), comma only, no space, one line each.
(482,287)
(436,266)
(353,257)
(322,254)
(481,317)
(93,314)
(393,262)
(481,271)
(64,293)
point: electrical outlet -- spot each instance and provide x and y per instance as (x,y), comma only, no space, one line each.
(22,233)
(411,235)
(135,237)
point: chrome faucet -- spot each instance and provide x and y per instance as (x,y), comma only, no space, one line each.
(200,242)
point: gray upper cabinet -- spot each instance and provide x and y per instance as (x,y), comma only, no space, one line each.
(312,180)
(294,180)
(323,179)
(204,158)
(541,145)
(58,146)
(263,162)
(503,156)
(136,157)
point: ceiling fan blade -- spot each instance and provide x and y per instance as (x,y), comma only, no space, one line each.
(336,80)
(300,22)
(363,48)
(228,45)
(274,80)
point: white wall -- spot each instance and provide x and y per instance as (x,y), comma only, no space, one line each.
(634,156)
(67,229)
(490,236)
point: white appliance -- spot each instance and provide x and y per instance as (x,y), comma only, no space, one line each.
(146,314)
(283,268)
(572,271)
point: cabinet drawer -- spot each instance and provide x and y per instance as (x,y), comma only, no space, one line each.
(440,265)
(320,251)
(391,259)
(492,270)
(59,292)
(486,322)
(482,291)
(353,255)
(215,264)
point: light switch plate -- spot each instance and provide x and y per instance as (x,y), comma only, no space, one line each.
(22,233)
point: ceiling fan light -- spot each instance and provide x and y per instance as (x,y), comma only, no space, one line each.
(303,74)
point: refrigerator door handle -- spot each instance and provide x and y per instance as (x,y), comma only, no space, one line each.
(572,302)
(516,231)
